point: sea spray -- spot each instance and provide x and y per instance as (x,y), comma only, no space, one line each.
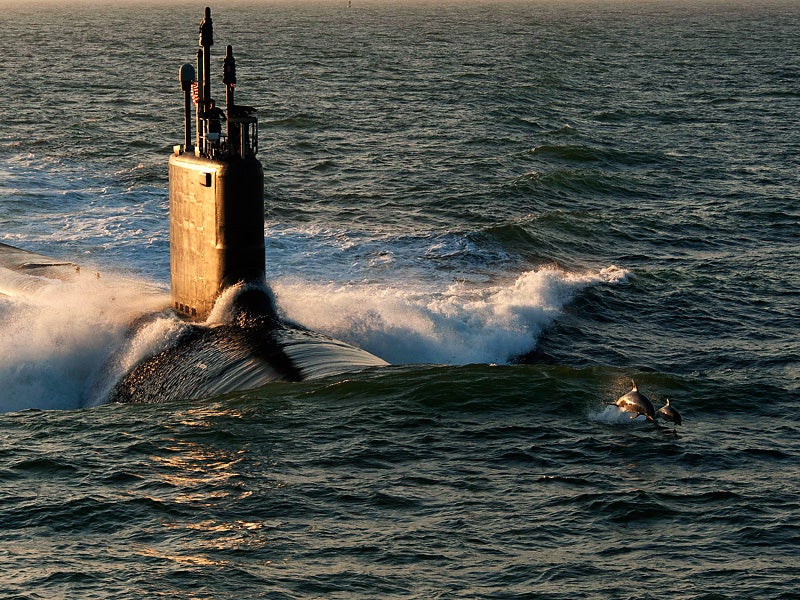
(146,337)
(56,335)
(459,324)
(68,343)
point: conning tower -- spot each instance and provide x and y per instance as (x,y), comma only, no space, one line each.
(216,190)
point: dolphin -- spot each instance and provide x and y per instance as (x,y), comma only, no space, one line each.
(669,413)
(637,403)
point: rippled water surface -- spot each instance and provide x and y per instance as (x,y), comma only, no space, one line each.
(520,206)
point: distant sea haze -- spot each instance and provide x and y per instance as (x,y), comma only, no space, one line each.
(523,207)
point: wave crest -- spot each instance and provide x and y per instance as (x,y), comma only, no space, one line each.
(461,324)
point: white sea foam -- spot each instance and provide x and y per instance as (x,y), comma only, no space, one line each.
(56,335)
(222,312)
(459,324)
(612,415)
(125,352)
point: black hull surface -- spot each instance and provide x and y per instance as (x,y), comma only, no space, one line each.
(252,350)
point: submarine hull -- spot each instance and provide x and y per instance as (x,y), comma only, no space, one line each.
(249,348)
(209,361)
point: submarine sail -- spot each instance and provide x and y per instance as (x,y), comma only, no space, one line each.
(216,191)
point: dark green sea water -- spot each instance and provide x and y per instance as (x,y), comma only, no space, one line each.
(521,206)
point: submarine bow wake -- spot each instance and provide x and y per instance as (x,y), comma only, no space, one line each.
(250,347)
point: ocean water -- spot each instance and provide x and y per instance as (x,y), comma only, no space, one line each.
(522,206)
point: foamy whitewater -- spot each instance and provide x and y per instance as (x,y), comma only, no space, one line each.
(58,334)
(464,323)
(61,334)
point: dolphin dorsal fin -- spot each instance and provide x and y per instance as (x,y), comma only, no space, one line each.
(667,401)
(635,389)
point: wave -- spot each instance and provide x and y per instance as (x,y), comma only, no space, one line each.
(56,334)
(578,153)
(59,335)
(460,324)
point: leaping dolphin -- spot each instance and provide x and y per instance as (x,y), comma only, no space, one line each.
(670,413)
(637,403)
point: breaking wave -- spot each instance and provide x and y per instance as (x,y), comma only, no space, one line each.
(59,335)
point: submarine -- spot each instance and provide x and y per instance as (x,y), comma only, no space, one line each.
(231,336)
